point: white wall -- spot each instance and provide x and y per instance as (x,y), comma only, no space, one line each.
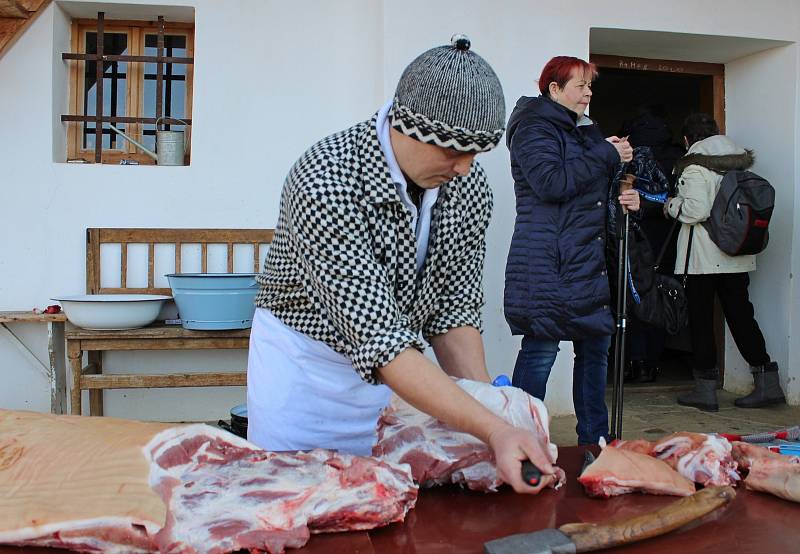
(770,131)
(309,68)
(794,306)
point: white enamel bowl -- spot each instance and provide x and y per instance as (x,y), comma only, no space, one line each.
(112,311)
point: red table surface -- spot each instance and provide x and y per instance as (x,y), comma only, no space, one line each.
(448,519)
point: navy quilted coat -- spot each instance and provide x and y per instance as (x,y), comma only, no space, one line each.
(556,278)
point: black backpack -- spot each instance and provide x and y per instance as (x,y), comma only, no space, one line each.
(739,220)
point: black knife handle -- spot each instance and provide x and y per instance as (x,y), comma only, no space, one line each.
(530,473)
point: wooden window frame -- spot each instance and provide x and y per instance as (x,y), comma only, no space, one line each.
(134,101)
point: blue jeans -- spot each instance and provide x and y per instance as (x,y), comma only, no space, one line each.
(534,362)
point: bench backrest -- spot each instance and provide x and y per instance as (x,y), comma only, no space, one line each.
(95,237)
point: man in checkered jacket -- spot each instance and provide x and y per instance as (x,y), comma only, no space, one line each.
(381,239)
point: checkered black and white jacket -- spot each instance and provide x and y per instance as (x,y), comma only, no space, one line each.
(342,270)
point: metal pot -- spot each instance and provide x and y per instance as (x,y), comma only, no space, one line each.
(238,424)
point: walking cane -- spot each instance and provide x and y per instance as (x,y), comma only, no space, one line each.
(618,375)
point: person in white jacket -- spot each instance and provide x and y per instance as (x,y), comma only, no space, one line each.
(714,273)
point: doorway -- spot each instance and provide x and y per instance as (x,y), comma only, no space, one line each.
(619,93)
(672,90)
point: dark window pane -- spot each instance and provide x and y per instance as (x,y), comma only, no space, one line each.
(115,81)
(88,136)
(173,95)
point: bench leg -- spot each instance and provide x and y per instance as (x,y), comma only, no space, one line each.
(75,356)
(96,395)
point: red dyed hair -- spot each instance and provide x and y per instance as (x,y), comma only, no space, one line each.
(559,70)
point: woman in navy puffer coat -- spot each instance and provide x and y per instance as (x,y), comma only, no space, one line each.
(556,279)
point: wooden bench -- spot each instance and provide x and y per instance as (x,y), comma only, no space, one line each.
(157,336)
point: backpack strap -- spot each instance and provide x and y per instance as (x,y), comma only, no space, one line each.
(666,244)
(688,251)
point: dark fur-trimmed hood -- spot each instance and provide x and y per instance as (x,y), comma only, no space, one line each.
(718,153)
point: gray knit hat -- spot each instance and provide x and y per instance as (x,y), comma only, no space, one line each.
(450,96)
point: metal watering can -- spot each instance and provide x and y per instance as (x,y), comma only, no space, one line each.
(170,145)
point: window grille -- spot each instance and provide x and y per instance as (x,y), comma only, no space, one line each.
(157,72)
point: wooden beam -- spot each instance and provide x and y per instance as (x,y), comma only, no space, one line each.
(13,9)
(650,64)
(30,317)
(32,5)
(95,382)
(12,29)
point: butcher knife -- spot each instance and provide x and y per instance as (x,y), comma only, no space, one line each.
(585,537)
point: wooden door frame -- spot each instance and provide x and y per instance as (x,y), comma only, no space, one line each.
(717,72)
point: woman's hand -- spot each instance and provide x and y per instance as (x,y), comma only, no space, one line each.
(623,147)
(629,200)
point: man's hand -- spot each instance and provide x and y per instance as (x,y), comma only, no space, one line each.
(425,386)
(512,446)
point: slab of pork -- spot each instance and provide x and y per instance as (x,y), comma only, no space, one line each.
(769,471)
(97,484)
(224,494)
(77,482)
(617,471)
(702,458)
(439,454)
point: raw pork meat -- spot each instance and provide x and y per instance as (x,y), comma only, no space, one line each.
(769,471)
(639,445)
(618,471)
(97,484)
(704,459)
(745,454)
(77,482)
(439,454)
(225,494)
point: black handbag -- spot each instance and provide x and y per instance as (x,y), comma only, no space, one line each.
(664,305)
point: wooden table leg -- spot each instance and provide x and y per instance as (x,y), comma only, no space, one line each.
(96,395)
(58,368)
(75,355)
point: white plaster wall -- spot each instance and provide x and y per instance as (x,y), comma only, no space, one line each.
(760,80)
(517,38)
(306,74)
(793,381)
(310,68)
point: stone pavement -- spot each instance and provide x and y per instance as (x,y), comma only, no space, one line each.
(649,415)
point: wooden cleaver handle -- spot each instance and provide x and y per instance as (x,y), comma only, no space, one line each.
(595,536)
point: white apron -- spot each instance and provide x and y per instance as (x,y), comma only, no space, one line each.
(301,394)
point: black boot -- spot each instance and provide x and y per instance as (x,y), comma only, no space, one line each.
(768,388)
(703,397)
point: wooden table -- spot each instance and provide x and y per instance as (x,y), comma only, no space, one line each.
(154,337)
(55,371)
(451,520)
